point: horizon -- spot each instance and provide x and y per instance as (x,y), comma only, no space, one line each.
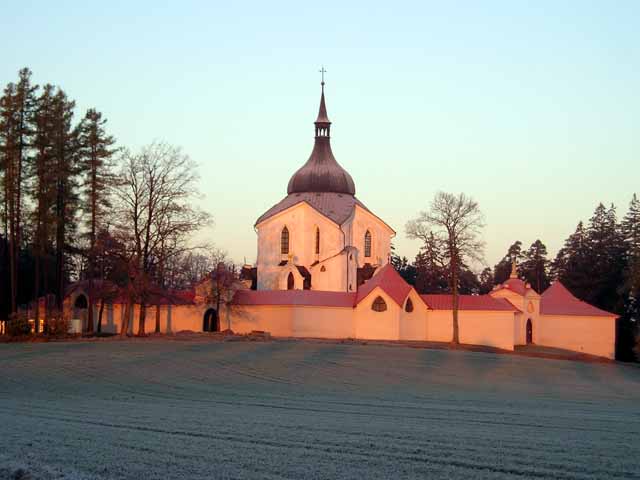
(528,113)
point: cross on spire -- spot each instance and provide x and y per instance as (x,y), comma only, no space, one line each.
(322,72)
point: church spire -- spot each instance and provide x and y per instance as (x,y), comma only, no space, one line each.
(322,173)
(323,124)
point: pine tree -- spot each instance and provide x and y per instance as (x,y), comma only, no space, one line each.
(535,266)
(502,270)
(571,265)
(16,112)
(43,187)
(64,151)
(431,275)
(486,281)
(631,233)
(95,157)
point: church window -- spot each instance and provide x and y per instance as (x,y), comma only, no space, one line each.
(290,281)
(323,269)
(379,305)
(284,241)
(367,244)
(317,241)
(408,307)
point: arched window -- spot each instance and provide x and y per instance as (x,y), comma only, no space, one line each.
(367,244)
(317,241)
(284,241)
(408,307)
(290,281)
(379,305)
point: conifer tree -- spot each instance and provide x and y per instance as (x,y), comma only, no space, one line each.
(43,187)
(64,151)
(535,266)
(631,233)
(16,111)
(502,270)
(95,161)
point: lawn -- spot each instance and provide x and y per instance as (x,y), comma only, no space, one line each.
(301,409)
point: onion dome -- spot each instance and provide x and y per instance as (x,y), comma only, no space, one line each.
(322,173)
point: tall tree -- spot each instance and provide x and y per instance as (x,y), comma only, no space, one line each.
(456,220)
(42,172)
(95,161)
(631,233)
(65,156)
(16,111)
(156,212)
(535,267)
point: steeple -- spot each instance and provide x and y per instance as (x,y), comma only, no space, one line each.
(321,172)
(323,124)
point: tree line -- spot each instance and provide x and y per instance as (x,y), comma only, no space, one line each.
(75,206)
(599,263)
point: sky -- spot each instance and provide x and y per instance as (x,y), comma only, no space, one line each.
(531,108)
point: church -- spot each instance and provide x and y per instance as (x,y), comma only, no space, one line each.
(323,271)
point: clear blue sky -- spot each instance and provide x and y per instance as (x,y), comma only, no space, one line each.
(533,108)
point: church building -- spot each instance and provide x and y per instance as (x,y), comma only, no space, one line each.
(323,271)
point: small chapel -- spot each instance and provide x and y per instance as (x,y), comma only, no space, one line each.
(323,271)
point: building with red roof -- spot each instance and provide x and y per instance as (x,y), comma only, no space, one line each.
(323,270)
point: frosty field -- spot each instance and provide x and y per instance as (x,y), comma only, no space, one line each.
(303,409)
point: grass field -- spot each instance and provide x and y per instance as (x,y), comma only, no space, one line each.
(304,410)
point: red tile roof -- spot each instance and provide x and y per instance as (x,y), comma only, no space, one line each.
(468,302)
(389,281)
(311,298)
(516,285)
(557,300)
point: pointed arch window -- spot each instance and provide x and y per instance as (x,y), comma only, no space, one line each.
(379,305)
(367,244)
(408,307)
(290,281)
(317,250)
(284,241)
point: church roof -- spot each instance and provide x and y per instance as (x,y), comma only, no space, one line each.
(468,302)
(516,285)
(389,281)
(557,300)
(321,172)
(307,298)
(335,206)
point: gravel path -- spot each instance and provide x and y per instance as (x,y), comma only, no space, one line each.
(303,409)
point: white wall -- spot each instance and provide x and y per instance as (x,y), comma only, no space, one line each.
(413,325)
(374,325)
(592,335)
(476,327)
(301,220)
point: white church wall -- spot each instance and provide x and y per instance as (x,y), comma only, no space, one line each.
(380,237)
(413,325)
(592,335)
(301,220)
(333,277)
(373,325)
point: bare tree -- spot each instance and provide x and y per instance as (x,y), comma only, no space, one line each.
(156,212)
(456,221)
